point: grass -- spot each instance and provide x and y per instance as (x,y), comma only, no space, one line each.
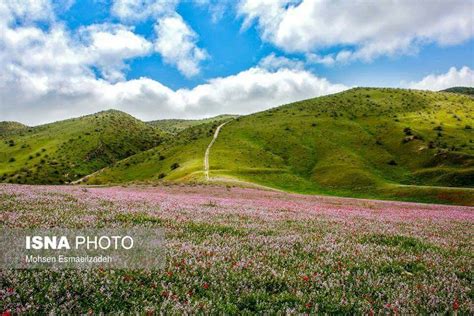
(354,138)
(186,148)
(175,126)
(403,242)
(8,127)
(365,142)
(68,150)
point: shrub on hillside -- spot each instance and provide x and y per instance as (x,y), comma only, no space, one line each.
(174,166)
(407,131)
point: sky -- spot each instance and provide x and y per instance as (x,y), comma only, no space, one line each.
(194,59)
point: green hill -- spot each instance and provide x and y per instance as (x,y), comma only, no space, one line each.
(7,127)
(68,150)
(175,126)
(462,90)
(185,149)
(366,142)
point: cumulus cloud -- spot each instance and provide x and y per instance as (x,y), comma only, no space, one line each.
(464,77)
(176,42)
(255,89)
(137,10)
(366,29)
(251,90)
(327,60)
(108,45)
(54,55)
(28,11)
(273,62)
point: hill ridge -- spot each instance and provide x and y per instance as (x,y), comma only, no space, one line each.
(64,151)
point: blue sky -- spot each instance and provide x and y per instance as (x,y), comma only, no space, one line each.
(233,49)
(160,59)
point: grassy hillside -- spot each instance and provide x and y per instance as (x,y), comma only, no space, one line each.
(384,143)
(67,150)
(7,127)
(462,90)
(177,159)
(175,126)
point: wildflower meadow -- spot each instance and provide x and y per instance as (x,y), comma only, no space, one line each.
(236,250)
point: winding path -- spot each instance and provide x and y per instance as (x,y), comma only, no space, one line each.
(208,149)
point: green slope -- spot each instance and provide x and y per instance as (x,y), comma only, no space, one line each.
(67,150)
(185,149)
(462,90)
(384,143)
(175,126)
(7,127)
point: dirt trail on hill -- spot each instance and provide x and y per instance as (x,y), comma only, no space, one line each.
(87,177)
(208,149)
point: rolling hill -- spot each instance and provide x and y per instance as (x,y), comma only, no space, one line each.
(462,90)
(365,142)
(7,127)
(179,158)
(64,151)
(175,126)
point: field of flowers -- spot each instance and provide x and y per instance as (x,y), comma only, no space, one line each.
(236,250)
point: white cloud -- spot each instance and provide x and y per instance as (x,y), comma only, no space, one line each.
(327,60)
(137,10)
(54,54)
(108,45)
(251,90)
(176,42)
(464,77)
(255,89)
(368,29)
(28,11)
(273,62)
(217,8)
(42,64)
